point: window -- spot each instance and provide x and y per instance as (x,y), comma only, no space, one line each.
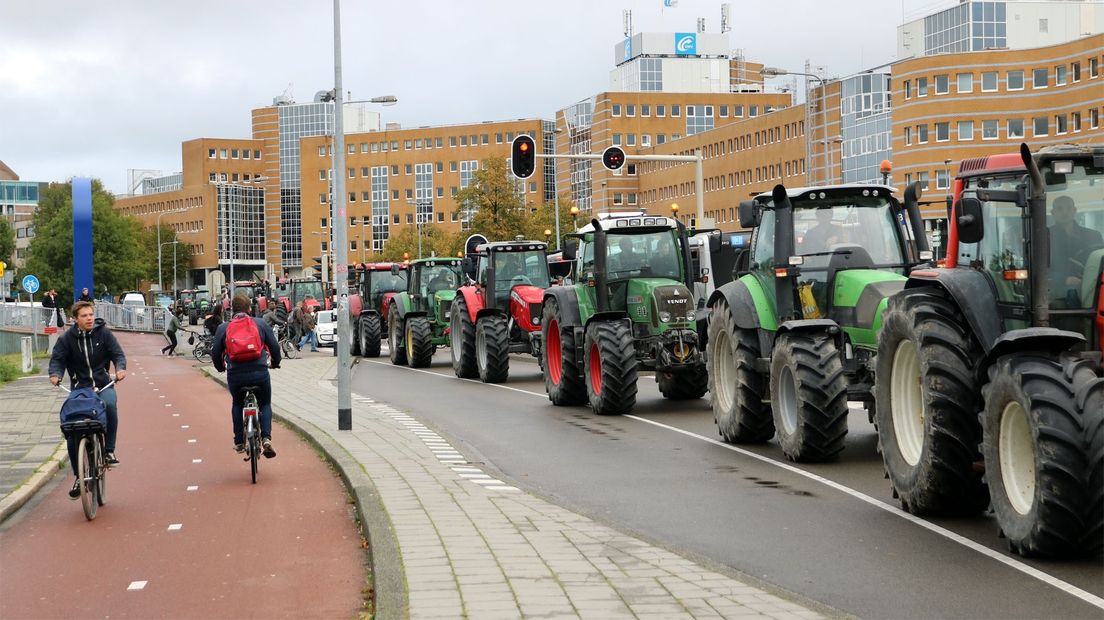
(676,109)
(645,109)
(661,139)
(246,153)
(922,133)
(1060,75)
(408,144)
(616,109)
(1076,118)
(352,149)
(210,153)
(723,111)
(1039,78)
(738,111)
(988,81)
(1015,80)
(630,139)
(321,175)
(922,87)
(965,82)
(923,179)
(409,169)
(1015,128)
(1076,70)
(942,132)
(1044,25)
(630,109)
(990,130)
(1060,124)
(323,222)
(942,179)
(965,130)
(439,142)
(484,138)
(440,166)
(364,171)
(418,143)
(352,173)
(256,153)
(908,90)
(394,170)
(452,166)
(352,196)
(452,140)
(222,153)
(1094,118)
(908,136)
(661,110)
(617,139)
(1094,67)
(942,84)
(1042,127)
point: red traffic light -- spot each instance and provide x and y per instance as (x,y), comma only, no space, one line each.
(523,160)
(613,158)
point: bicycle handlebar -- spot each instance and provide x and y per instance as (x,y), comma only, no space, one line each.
(97,390)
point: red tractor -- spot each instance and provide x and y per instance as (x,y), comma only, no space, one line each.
(374,286)
(257,292)
(313,293)
(499,311)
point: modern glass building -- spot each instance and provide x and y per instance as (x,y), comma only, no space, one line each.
(18,197)
(865,125)
(296,120)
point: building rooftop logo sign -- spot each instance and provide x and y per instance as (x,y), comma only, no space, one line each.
(628,49)
(686,43)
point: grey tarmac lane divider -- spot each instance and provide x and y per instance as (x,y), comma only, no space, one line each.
(448,539)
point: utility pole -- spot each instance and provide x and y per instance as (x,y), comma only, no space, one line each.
(338,221)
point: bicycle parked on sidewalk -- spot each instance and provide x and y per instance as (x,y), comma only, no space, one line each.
(84,425)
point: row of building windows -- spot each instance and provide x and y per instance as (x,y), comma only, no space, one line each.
(726,181)
(233,177)
(233,154)
(410,193)
(750,140)
(660,110)
(989,81)
(1058,124)
(417,144)
(465,168)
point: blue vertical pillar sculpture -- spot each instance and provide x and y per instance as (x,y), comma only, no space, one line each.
(82,236)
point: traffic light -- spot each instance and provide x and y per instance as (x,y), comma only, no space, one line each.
(3,266)
(523,158)
(613,158)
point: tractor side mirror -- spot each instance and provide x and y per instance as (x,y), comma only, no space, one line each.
(742,264)
(468,267)
(395,269)
(970,225)
(715,242)
(570,248)
(749,214)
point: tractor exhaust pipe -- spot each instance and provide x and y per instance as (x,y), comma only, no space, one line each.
(784,289)
(912,208)
(687,261)
(1039,252)
(600,279)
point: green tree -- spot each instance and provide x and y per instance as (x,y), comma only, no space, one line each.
(436,241)
(7,241)
(119,260)
(545,219)
(498,212)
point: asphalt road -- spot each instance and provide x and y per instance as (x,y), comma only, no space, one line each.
(829,532)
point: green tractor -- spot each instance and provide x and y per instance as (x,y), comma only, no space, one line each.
(630,309)
(417,320)
(793,338)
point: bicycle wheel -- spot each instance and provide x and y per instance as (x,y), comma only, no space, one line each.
(101,471)
(203,353)
(289,349)
(86,464)
(254,454)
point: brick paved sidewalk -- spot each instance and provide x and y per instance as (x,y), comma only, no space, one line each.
(31,448)
(451,541)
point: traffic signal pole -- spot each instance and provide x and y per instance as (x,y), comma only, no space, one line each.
(341,275)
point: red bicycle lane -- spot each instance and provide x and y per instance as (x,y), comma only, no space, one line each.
(184,533)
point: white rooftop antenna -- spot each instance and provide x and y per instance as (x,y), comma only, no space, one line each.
(726,17)
(701,24)
(626,17)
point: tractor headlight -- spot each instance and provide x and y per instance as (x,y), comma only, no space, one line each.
(690,315)
(665,316)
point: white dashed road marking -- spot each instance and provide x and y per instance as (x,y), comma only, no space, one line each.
(137,585)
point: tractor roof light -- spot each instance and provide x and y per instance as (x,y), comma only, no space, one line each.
(1063,167)
(797,260)
(926,255)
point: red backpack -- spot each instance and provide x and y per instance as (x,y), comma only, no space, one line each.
(243,340)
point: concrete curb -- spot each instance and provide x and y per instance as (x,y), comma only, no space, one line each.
(42,476)
(389,587)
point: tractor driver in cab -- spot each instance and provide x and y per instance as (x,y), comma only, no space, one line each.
(624,259)
(1070,244)
(663,262)
(443,281)
(823,235)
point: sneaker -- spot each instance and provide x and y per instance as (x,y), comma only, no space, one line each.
(74,492)
(266,445)
(110,459)
(239,448)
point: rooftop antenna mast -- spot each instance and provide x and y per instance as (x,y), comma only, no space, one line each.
(626,18)
(726,16)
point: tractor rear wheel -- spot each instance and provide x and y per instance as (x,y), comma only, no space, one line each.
(462,340)
(1090,399)
(685,383)
(926,403)
(396,337)
(609,367)
(737,388)
(1037,454)
(419,342)
(563,379)
(369,335)
(492,348)
(809,396)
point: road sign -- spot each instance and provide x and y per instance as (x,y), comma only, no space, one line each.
(30,284)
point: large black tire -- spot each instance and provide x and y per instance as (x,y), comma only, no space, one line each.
(193,318)
(808,396)
(1037,459)
(685,383)
(419,342)
(1090,400)
(396,338)
(462,340)
(563,379)
(927,399)
(354,329)
(492,348)
(737,389)
(369,335)
(609,367)
(281,312)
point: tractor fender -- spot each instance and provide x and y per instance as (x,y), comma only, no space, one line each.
(827,326)
(568,302)
(355,305)
(472,301)
(971,292)
(398,307)
(487,312)
(1033,339)
(740,304)
(608,315)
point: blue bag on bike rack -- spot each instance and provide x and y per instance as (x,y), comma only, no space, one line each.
(84,404)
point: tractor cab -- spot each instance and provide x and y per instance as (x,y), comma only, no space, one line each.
(309,291)
(502,266)
(430,278)
(418,318)
(374,281)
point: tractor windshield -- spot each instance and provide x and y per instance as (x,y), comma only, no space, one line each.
(859,225)
(306,290)
(1075,216)
(649,255)
(244,290)
(513,268)
(442,277)
(381,282)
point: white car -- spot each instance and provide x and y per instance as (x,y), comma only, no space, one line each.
(326,328)
(135,302)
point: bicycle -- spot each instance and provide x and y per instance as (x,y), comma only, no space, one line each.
(91,459)
(202,350)
(251,418)
(287,345)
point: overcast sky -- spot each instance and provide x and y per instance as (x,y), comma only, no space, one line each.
(95,87)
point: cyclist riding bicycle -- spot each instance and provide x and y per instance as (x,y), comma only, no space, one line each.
(244,372)
(85,350)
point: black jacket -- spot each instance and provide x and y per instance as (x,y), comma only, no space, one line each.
(86,355)
(49,301)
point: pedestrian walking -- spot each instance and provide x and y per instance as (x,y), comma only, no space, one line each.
(170,334)
(295,322)
(310,321)
(50,300)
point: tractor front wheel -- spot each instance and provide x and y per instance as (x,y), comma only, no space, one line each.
(927,399)
(738,389)
(492,349)
(563,379)
(462,340)
(1036,440)
(609,367)
(419,342)
(809,396)
(369,335)
(396,338)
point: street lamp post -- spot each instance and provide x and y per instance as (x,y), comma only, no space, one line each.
(173,243)
(160,284)
(418,220)
(775,72)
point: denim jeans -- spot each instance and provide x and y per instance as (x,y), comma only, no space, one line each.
(310,337)
(236,380)
(111,400)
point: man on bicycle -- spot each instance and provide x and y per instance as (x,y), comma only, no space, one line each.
(249,373)
(85,350)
